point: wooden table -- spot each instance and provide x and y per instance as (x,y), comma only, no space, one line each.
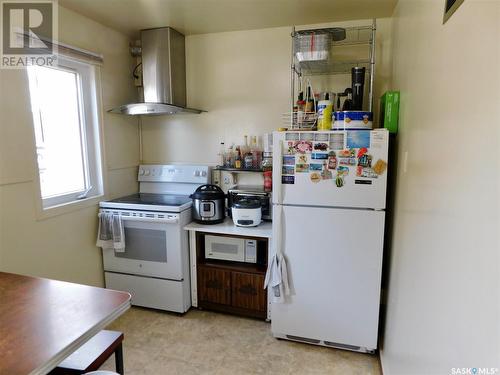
(43,321)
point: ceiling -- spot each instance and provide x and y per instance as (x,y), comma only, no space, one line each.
(208,16)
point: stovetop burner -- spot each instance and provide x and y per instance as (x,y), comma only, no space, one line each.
(154,199)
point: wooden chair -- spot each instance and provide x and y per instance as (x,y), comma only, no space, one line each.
(91,355)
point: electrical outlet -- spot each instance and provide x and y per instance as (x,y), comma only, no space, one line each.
(227,180)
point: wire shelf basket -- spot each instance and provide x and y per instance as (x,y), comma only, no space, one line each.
(300,120)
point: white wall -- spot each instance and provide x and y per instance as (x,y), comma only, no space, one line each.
(242,79)
(444,295)
(63,246)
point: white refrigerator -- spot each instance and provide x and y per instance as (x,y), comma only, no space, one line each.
(329,193)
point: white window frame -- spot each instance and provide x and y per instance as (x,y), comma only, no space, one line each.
(90,135)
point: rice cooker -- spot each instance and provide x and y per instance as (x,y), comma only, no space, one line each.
(246,212)
(209,202)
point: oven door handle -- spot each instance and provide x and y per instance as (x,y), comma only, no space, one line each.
(151,220)
(165,220)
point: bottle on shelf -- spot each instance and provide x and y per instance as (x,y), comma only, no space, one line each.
(229,157)
(237,157)
(267,168)
(221,155)
(248,161)
(300,105)
(347,106)
(309,106)
(244,153)
(325,108)
(244,147)
(256,154)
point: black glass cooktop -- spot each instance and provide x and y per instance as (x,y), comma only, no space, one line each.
(154,199)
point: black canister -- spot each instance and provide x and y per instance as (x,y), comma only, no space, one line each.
(358,87)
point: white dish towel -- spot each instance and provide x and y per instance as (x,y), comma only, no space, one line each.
(111,234)
(277,273)
(277,278)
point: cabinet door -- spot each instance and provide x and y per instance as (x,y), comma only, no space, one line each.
(248,291)
(214,285)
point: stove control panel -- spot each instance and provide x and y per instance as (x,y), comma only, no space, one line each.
(174,173)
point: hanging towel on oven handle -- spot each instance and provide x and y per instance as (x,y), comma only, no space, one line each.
(110,234)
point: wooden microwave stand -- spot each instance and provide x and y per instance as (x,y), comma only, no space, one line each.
(226,286)
(233,287)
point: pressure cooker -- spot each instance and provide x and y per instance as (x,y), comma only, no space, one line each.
(209,203)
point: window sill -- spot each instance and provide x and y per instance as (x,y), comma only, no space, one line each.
(66,208)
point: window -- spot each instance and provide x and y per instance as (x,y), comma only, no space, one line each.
(63,102)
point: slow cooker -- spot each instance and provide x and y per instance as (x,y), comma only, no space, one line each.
(209,203)
(247,212)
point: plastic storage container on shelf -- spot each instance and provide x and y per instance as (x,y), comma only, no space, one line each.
(352,120)
(312,46)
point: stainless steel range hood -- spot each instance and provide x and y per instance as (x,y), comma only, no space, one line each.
(163,75)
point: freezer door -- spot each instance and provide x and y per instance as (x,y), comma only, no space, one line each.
(334,259)
(334,169)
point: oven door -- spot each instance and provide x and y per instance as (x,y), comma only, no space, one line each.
(152,248)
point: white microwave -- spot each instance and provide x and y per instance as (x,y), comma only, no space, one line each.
(231,248)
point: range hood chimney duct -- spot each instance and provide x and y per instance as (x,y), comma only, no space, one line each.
(163,75)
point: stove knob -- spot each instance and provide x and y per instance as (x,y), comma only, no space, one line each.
(203,174)
(147,173)
(196,173)
(141,172)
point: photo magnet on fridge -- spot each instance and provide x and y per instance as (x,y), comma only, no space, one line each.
(291,148)
(380,167)
(365,161)
(319,156)
(337,141)
(303,146)
(321,146)
(347,153)
(365,172)
(301,159)
(289,160)
(315,177)
(339,180)
(302,168)
(332,160)
(347,161)
(362,151)
(288,169)
(326,174)
(358,139)
(344,171)
(288,180)
(315,167)
(363,182)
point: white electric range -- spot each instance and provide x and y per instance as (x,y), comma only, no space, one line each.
(154,268)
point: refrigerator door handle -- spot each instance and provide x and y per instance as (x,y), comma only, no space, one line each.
(277,167)
(277,230)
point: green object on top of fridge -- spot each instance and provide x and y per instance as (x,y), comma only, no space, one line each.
(389,111)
